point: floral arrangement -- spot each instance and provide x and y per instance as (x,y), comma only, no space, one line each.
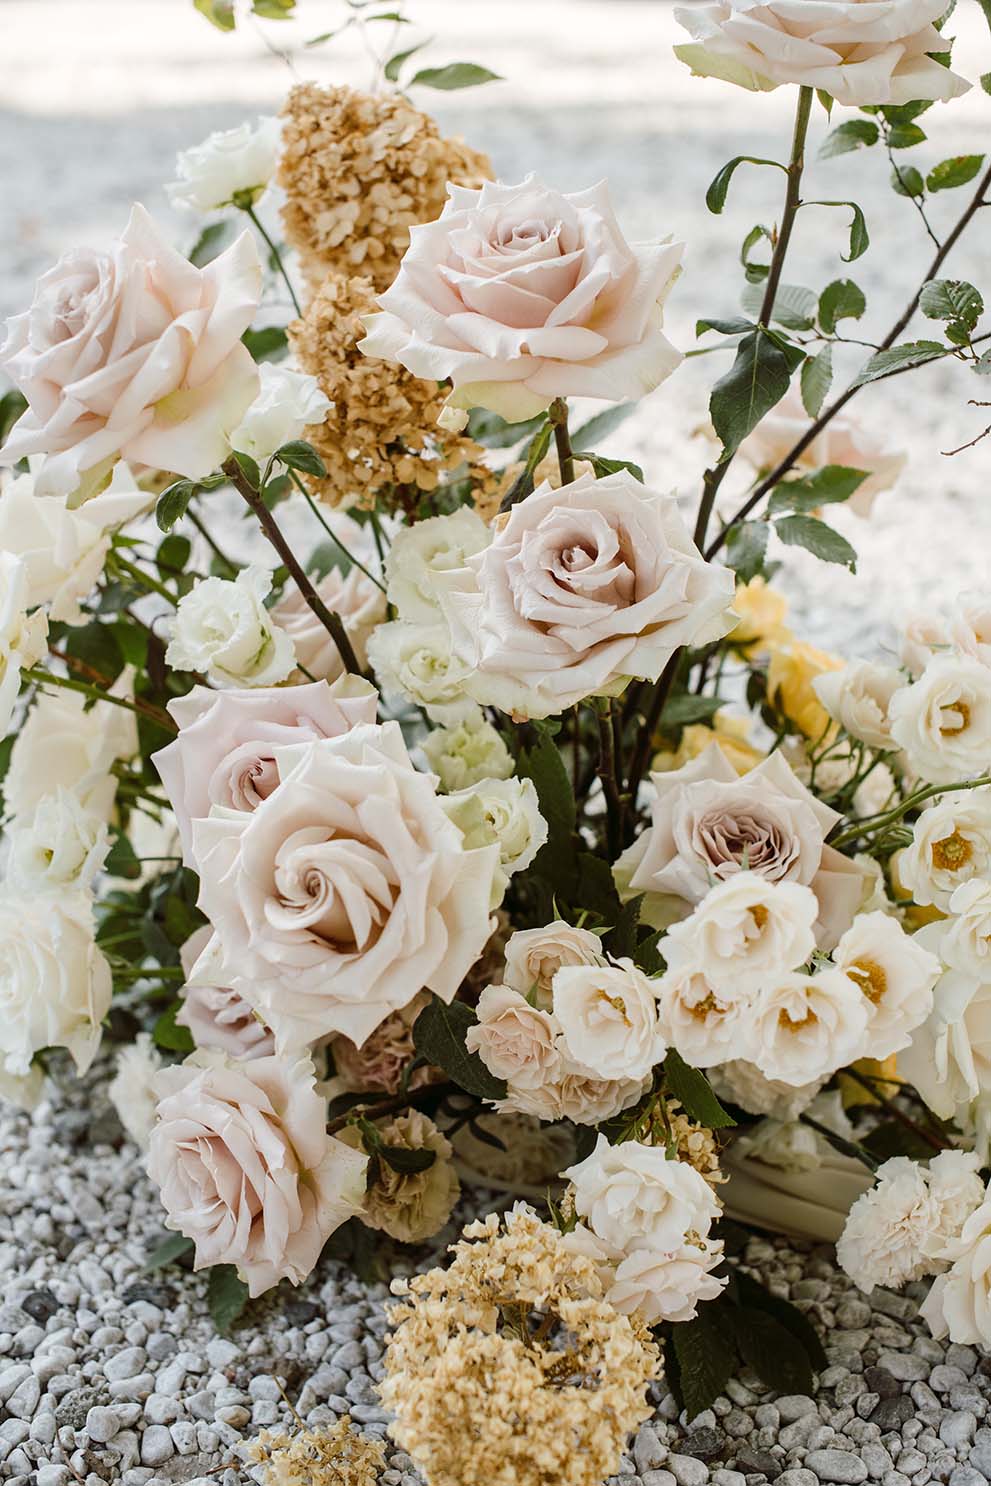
(411,793)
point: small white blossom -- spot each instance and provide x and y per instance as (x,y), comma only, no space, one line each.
(288,403)
(229,164)
(223,629)
(943,720)
(896,975)
(61,845)
(951,844)
(426,559)
(131,1089)
(608,1019)
(859,697)
(467,752)
(506,811)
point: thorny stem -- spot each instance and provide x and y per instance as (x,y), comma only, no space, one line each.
(558,415)
(853,1147)
(276,255)
(331,622)
(606,770)
(651,718)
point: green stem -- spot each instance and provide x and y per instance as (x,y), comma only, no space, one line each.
(145,579)
(218,552)
(314,507)
(652,717)
(875,823)
(558,415)
(276,256)
(607,777)
(39,677)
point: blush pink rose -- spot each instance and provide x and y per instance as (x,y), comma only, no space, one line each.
(520,294)
(361,605)
(135,354)
(216,1016)
(225,752)
(246,1169)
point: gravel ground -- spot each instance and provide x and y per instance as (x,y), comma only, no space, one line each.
(108,1375)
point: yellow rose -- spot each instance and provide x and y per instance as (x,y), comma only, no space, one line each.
(792,670)
(762,610)
(729,732)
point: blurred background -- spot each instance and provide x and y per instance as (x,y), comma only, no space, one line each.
(96,97)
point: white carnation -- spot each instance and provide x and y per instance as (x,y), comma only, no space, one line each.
(231,163)
(608,1019)
(951,844)
(61,845)
(288,402)
(467,752)
(943,720)
(131,1089)
(740,1082)
(223,629)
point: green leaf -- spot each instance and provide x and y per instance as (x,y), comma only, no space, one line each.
(226,1296)
(168,1034)
(601,466)
(173,503)
(815,379)
(683,710)
(173,554)
(951,299)
(982,367)
(755,272)
(439,1036)
(602,424)
(859,236)
(694,1091)
(986,81)
(495,433)
(753,1294)
(898,359)
(715,197)
(904,136)
(454,75)
(273,10)
(209,243)
(405,1161)
(840,300)
(907,181)
(746,547)
(956,171)
(818,538)
(522,486)
(542,763)
(775,1355)
(270,343)
(219,13)
(737,326)
(167,1252)
(757,380)
(298,455)
(392,68)
(827,486)
(794,306)
(705,1356)
(121,859)
(858,134)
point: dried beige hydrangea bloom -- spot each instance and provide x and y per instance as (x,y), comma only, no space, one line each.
(358,172)
(414,1205)
(336,1456)
(693,1143)
(509,1368)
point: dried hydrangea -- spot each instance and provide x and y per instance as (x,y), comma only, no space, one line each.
(409,1205)
(693,1143)
(358,172)
(381,435)
(336,1456)
(509,1369)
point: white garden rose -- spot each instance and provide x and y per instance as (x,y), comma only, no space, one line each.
(60,845)
(608,1019)
(425,559)
(965,944)
(632,1196)
(520,294)
(132,1089)
(896,975)
(54,981)
(706,1025)
(359,602)
(923,635)
(807,1026)
(970,626)
(223,629)
(23,636)
(858,51)
(580,589)
(514,1040)
(503,811)
(943,720)
(467,752)
(534,956)
(576,1096)
(959,1303)
(66,743)
(345,892)
(288,402)
(745,930)
(418,661)
(858,698)
(132,354)
(230,167)
(740,1082)
(664,1285)
(951,845)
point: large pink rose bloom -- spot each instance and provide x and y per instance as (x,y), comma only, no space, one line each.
(520,294)
(132,353)
(345,892)
(246,1168)
(225,752)
(858,51)
(580,589)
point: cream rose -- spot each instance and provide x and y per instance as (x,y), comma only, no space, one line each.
(504,811)
(970,626)
(664,1285)
(418,661)
(707,825)
(807,1026)
(520,294)
(221,627)
(359,602)
(608,1019)
(858,51)
(951,845)
(632,1196)
(943,720)
(923,635)
(225,752)
(966,941)
(23,636)
(467,752)
(514,1040)
(345,892)
(959,1304)
(534,956)
(858,698)
(287,404)
(580,589)
(745,930)
(896,975)
(707,1026)
(231,166)
(245,1166)
(66,743)
(132,354)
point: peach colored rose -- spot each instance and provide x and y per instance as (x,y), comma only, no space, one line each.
(246,1169)
(133,354)
(520,294)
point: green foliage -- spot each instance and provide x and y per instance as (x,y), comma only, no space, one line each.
(954,300)
(907,181)
(898,359)
(226,1297)
(856,134)
(715,197)
(757,380)
(956,171)
(298,455)
(840,300)
(601,425)
(859,236)
(794,307)
(904,136)
(815,379)
(454,75)
(542,763)
(219,13)
(12,405)
(827,486)
(682,710)
(121,859)
(270,343)
(169,1251)
(705,1360)
(393,66)
(755,272)
(173,503)
(400,1158)
(523,484)
(439,1036)
(168,1034)
(601,466)
(818,538)
(746,548)
(694,1091)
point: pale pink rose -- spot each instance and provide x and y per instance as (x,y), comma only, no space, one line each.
(135,354)
(708,823)
(216,1016)
(843,441)
(858,51)
(246,1169)
(579,590)
(225,752)
(514,1040)
(520,294)
(361,605)
(346,891)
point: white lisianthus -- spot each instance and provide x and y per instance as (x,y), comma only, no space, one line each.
(534,956)
(608,1018)
(467,752)
(745,929)
(132,1091)
(230,167)
(54,981)
(896,975)
(807,1026)
(506,811)
(943,720)
(222,628)
(65,743)
(61,845)
(951,845)
(858,698)
(632,1196)
(23,636)
(417,661)
(288,402)
(966,941)
(707,1026)
(514,1040)
(426,559)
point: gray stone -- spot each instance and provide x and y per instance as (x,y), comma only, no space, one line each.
(943,1378)
(102,1424)
(24,1399)
(758,1462)
(957,1430)
(905,1366)
(882,1382)
(156,1445)
(125,1364)
(836,1465)
(892,1413)
(648,1478)
(688,1471)
(793,1406)
(648,1452)
(965,1475)
(704,1444)
(798,1476)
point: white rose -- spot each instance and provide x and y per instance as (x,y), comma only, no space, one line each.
(923,635)
(665,1285)
(896,975)
(745,930)
(951,845)
(61,845)
(514,1040)
(959,1303)
(858,697)
(534,956)
(132,1089)
(65,743)
(943,720)
(857,53)
(223,629)
(504,811)
(355,597)
(467,752)
(608,1018)
(23,636)
(288,402)
(230,163)
(807,1026)
(707,1026)
(970,626)
(54,982)
(633,1196)
(576,1096)
(966,941)
(417,660)
(426,558)
(740,1082)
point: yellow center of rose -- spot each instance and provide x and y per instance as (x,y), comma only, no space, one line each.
(952,853)
(617,1003)
(788,1023)
(759,915)
(956,718)
(704,1008)
(870,977)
